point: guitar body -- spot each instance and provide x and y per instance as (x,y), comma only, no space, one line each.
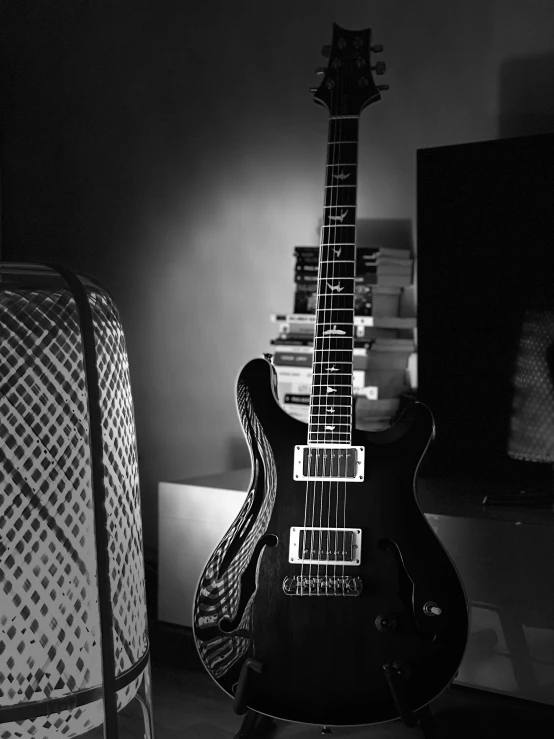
(323,655)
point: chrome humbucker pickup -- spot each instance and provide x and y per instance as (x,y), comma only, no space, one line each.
(323,546)
(329,463)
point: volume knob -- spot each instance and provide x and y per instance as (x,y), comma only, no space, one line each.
(385,622)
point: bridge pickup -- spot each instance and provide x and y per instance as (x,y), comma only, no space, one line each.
(300,585)
(312,545)
(344,463)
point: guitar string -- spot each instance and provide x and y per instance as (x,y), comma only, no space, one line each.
(335,486)
(319,453)
(342,485)
(351,303)
(321,305)
(308,549)
(328,237)
(337,137)
(326,250)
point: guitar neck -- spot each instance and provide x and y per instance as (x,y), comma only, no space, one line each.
(330,419)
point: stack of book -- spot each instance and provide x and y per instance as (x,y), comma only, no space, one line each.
(384,344)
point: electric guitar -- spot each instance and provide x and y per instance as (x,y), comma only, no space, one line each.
(330,580)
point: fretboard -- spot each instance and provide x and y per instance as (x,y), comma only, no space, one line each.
(331,397)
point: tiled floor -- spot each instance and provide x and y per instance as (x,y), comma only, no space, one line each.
(188,704)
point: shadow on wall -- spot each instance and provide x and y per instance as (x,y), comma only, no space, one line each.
(526,96)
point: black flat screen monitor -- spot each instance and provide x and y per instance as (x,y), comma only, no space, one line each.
(485,239)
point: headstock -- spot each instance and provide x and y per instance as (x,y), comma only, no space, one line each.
(348,86)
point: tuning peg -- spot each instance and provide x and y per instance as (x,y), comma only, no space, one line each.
(380,68)
(377,49)
(314,89)
(320,71)
(326,51)
(383,87)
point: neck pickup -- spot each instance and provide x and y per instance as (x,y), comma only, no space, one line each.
(329,462)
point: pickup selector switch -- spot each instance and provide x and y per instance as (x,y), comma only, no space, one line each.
(431,609)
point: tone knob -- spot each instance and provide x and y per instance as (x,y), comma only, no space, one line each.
(385,622)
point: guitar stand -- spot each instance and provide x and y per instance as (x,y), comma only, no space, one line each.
(395,673)
(253,722)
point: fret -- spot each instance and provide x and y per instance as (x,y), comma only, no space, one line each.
(326,433)
(343,128)
(335,357)
(336,400)
(336,270)
(338,234)
(347,333)
(335,442)
(338,195)
(335,382)
(340,174)
(331,322)
(344,151)
(334,261)
(331,379)
(340,343)
(331,300)
(336,425)
(333,415)
(336,331)
(345,251)
(339,216)
(334,315)
(345,369)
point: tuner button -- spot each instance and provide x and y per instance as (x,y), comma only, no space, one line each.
(383,87)
(326,51)
(380,68)
(314,89)
(377,49)
(320,70)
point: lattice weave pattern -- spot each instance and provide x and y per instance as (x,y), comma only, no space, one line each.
(49,619)
(532,421)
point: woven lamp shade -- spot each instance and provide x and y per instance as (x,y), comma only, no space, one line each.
(74,646)
(532,420)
